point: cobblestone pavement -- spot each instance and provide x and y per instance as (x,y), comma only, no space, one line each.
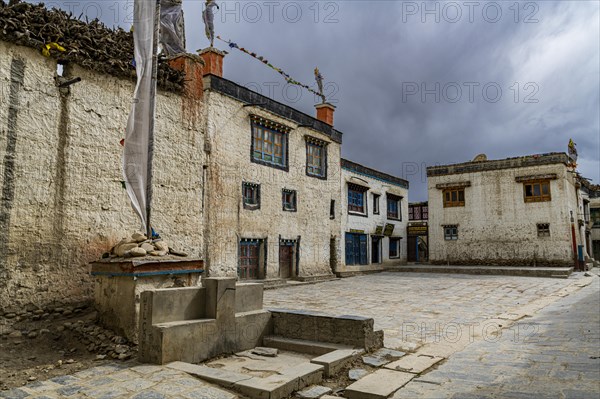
(418,308)
(121,381)
(554,354)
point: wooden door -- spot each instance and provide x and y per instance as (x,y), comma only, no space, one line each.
(249,256)
(286,261)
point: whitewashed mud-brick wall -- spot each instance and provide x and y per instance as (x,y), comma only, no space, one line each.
(62,202)
(496,226)
(229,136)
(370,221)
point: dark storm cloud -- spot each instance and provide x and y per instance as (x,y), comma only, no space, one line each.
(378,56)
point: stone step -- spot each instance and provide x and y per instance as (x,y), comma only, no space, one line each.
(334,362)
(302,346)
(378,385)
(283,385)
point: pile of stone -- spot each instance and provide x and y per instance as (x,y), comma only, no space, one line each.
(139,245)
(90,44)
(101,341)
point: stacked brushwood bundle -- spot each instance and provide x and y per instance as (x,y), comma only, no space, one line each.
(90,44)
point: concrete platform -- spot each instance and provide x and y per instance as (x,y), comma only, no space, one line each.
(556,272)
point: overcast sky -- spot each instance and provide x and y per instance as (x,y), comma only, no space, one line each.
(420,83)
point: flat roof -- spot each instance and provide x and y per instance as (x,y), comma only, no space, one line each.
(249,97)
(372,173)
(508,163)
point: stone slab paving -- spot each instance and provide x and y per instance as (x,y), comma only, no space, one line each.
(418,308)
(553,354)
(121,381)
(378,385)
(314,392)
(414,363)
(549,347)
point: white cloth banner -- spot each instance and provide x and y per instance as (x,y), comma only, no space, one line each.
(137,154)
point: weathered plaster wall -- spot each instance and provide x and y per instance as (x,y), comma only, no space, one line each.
(370,223)
(496,225)
(61,165)
(229,138)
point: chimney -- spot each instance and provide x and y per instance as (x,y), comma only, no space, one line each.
(325,113)
(213,61)
(191,66)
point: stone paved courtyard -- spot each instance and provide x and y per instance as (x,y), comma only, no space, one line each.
(414,308)
(505,337)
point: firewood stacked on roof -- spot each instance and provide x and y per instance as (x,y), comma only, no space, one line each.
(90,44)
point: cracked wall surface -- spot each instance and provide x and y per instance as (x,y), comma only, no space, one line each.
(229,134)
(496,226)
(67,205)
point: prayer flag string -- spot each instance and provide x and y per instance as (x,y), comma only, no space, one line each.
(262,59)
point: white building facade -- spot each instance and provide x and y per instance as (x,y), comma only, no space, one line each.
(518,211)
(271,182)
(374,219)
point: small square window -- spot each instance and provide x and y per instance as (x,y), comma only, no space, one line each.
(543,230)
(289,200)
(451,232)
(251,195)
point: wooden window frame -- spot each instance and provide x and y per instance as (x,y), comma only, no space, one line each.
(293,201)
(543,229)
(268,144)
(316,150)
(450,232)
(450,200)
(540,197)
(354,209)
(256,188)
(390,198)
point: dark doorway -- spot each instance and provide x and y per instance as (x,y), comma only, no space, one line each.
(375,249)
(411,255)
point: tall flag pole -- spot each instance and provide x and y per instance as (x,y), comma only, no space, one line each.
(139,137)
